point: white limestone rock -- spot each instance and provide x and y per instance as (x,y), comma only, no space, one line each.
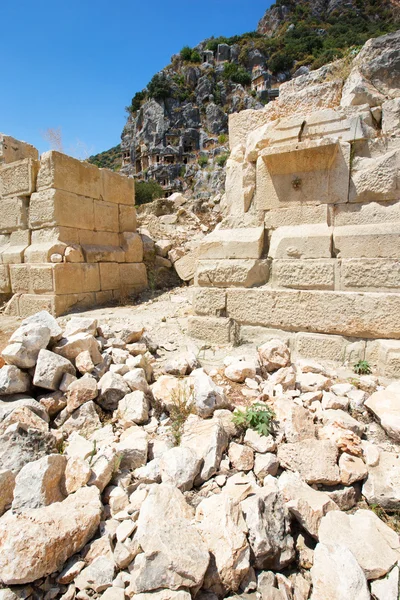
(40,483)
(274,355)
(375,546)
(307,505)
(336,575)
(179,467)
(382,485)
(50,369)
(133,409)
(174,555)
(39,541)
(112,388)
(207,395)
(24,345)
(13,380)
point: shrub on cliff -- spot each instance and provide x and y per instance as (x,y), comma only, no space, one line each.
(147,191)
(159,87)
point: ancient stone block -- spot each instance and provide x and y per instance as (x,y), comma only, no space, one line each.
(375,179)
(297,215)
(18,243)
(18,178)
(367,241)
(132,245)
(87,237)
(5,285)
(52,207)
(133,275)
(106,216)
(328,347)
(232,273)
(233,243)
(32,279)
(28,304)
(365,214)
(127,218)
(385,355)
(304,274)
(242,123)
(377,274)
(109,276)
(213,330)
(63,172)
(391,116)
(309,172)
(234,187)
(301,241)
(186,265)
(12,150)
(98,254)
(209,301)
(117,188)
(344,313)
(70,278)
(14,214)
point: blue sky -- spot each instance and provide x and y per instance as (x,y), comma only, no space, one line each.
(75,64)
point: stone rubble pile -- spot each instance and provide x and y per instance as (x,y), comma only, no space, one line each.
(123,476)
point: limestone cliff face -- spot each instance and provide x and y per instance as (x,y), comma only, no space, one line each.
(181,140)
(284,10)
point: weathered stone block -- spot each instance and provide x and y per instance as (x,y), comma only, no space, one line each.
(18,178)
(98,254)
(242,123)
(232,273)
(328,347)
(234,186)
(62,303)
(186,265)
(63,172)
(18,243)
(344,313)
(52,207)
(365,214)
(14,214)
(304,274)
(106,216)
(385,356)
(375,179)
(98,238)
(109,276)
(297,215)
(310,172)
(367,241)
(12,150)
(133,275)
(391,116)
(233,243)
(214,330)
(117,188)
(32,279)
(301,241)
(132,245)
(5,284)
(70,278)
(41,253)
(209,301)
(370,274)
(127,218)
(29,304)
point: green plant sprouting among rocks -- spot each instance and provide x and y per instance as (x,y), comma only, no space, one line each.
(259,417)
(182,406)
(362,367)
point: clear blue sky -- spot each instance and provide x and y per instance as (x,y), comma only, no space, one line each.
(75,64)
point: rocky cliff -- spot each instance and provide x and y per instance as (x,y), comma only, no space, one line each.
(176,131)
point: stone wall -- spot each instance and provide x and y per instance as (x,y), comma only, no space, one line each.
(67,232)
(312,222)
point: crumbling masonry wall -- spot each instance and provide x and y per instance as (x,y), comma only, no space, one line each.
(67,232)
(310,248)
